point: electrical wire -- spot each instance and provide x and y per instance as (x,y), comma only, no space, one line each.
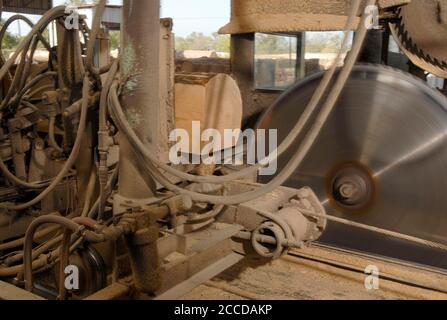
(71,159)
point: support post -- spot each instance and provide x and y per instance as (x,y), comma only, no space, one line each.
(372,51)
(243,68)
(140,32)
(140,69)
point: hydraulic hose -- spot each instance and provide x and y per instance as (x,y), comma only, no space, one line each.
(52,14)
(28,86)
(94,211)
(287,143)
(103,136)
(51,134)
(295,160)
(96,25)
(69,226)
(29,238)
(30,24)
(70,161)
(89,192)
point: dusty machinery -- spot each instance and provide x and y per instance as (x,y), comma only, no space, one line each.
(136,226)
(130,226)
(379,157)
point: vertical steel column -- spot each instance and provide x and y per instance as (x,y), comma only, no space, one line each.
(372,48)
(140,38)
(301,55)
(243,68)
(140,69)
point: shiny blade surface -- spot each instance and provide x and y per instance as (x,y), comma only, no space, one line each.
(388,132)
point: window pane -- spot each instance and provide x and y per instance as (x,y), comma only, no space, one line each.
(322,49)
(275,61)
(281,60)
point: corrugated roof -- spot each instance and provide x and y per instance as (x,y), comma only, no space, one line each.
(27,6)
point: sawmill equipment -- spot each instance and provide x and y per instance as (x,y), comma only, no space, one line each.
(378,161)
(362,167)
(89,183)
(420,29)
(86,183)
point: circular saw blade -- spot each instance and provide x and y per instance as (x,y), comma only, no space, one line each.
(387,135)
(421,32)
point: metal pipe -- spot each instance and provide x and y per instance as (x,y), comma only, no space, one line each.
(29,238)
(140,32)
(139,65)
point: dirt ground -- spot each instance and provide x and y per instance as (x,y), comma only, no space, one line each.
(297,278)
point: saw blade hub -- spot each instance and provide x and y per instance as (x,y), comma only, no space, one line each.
(352,188)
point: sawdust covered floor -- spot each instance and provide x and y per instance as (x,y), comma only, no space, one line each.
(322,274)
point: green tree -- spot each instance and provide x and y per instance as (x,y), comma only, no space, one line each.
(115,39)
(323,42)
(200,41)
(222,42)
(10,41)
(75,2)
(273,44)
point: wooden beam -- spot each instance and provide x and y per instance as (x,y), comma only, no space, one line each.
(11,293)
(251,16)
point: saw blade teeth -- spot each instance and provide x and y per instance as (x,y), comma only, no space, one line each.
(413,48)
(420,52)
(407,41)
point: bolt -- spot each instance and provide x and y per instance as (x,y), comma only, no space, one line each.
(39,145)
(348,190)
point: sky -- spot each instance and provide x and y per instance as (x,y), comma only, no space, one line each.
(206,16)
